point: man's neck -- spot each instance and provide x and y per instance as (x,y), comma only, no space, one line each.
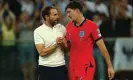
(80,19)
(48,24)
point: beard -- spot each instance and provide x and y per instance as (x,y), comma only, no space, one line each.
(54,22)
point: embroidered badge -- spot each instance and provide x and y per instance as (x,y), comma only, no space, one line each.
(81,34)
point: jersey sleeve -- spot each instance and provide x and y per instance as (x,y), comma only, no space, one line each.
(37,38)
(96,35)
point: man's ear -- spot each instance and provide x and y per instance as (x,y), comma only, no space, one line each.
(46,16)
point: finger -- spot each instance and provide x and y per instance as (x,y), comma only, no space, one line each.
(112,75)
(64,39)
(59,41)
(109,75)
(60,37)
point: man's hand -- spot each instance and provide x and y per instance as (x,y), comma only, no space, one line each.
(61,41)
(111,73)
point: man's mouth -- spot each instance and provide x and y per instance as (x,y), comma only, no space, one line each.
(56,20)
(70,17)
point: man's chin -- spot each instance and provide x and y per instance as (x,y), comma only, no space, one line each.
(56,22)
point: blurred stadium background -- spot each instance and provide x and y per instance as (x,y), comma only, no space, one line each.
(19,18)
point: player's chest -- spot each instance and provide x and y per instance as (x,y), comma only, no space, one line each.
(79,34)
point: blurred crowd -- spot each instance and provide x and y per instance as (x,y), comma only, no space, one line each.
(19,18)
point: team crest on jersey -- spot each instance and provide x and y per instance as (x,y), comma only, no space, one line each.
(81,34)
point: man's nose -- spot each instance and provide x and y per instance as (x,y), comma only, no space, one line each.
(68,14)
(57,16)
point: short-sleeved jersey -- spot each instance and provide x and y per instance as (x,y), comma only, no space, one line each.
(82,39)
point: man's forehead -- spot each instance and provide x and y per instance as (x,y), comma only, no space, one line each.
(53,11)
(69,9)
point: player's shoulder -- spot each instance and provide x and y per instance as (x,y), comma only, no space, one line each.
(38,29)
(91,24)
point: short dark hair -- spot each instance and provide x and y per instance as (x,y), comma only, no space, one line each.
(46,11)
(74,5)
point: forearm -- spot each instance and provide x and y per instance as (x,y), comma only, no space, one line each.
(66,48)
(47,51)
(106,57)
(104,52)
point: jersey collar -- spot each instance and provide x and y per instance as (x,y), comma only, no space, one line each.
(80,24)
